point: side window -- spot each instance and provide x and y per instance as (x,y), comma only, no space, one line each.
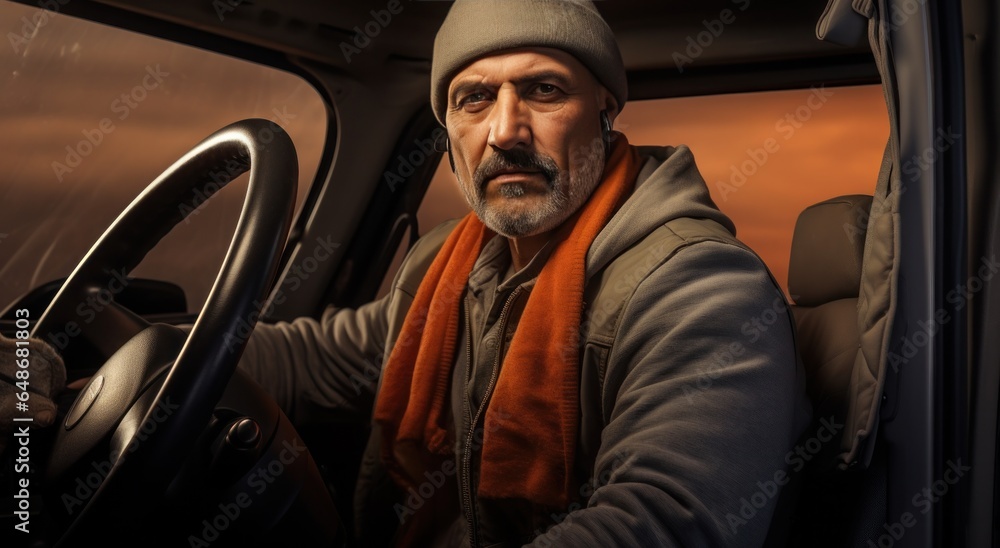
(92,114)
(443,201)
(765,156)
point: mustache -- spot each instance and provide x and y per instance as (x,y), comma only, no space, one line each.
(517,159)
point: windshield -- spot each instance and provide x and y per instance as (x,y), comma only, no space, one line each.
(92,114)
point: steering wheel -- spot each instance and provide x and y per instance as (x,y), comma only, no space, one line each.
(153,431)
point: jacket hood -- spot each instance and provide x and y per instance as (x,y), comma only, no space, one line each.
(669,186)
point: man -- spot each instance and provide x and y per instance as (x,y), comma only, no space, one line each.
(565,366)
(571,363)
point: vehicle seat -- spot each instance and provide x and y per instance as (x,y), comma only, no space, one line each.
(833,507)
(824,278)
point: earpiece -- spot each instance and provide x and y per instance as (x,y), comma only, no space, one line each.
(606,132)
(445,147)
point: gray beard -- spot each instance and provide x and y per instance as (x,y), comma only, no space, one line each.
(566,196)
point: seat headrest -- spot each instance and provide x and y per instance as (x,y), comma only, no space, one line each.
(827,250)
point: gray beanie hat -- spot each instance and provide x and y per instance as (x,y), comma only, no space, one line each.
(476,28)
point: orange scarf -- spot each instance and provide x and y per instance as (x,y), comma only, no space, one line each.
(532,419)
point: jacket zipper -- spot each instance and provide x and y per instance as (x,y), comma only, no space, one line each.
(467,453)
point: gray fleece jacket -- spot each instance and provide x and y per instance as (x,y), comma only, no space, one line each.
(690,409)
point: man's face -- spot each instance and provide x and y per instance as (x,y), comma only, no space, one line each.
(525,132)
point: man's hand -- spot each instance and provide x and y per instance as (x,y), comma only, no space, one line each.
(30,377)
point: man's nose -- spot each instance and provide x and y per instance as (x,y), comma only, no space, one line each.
(510,122)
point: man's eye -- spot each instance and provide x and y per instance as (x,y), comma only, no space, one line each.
(547,92)
(472,98)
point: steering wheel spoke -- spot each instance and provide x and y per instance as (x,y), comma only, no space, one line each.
(112,327)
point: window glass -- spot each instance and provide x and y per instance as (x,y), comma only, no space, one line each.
(92,114)
(765,156)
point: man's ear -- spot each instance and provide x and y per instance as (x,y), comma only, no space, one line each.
(608,104)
